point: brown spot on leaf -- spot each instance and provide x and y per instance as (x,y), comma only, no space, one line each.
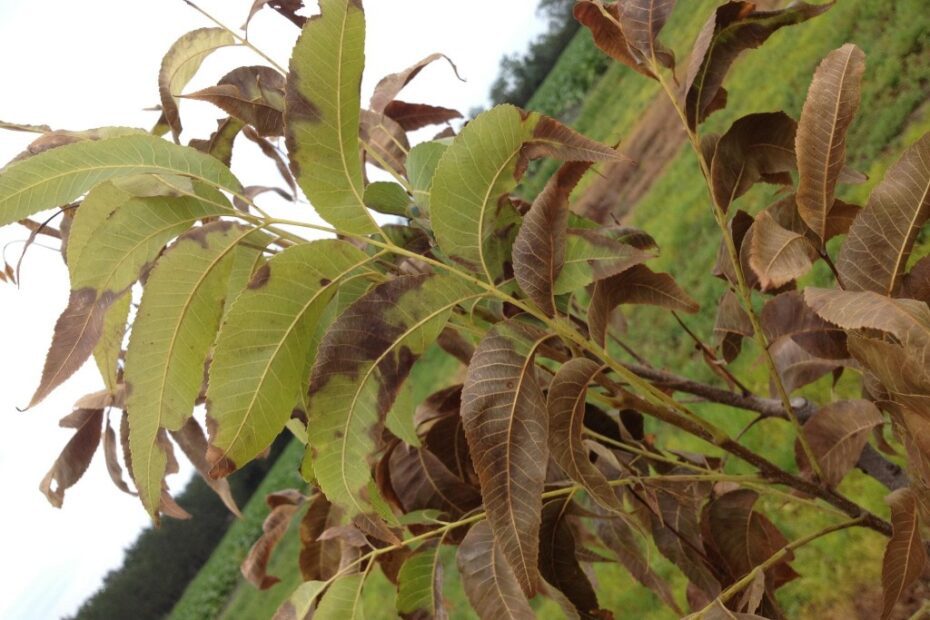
(222,465)
(260,278)
(325,281)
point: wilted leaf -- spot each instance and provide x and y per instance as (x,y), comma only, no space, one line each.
(731,326)
(756,147)
(176,324)
(733,28)
(482,165)
(112,458)
(488,579)
(390,85)
(558,564)
(413,116)
(744,538)
(362,361)
(181,63)
(905,555)
(837,433)
(504,413)
(192,441)
(287,8)
(831,104)
(59,176)
(319,559)
(777,255)
(604,22)
(539,249)
(220,142)
(419,583)
(636,285)
(253,94)
(874,256)
(566,404)
(255,565)
(641,21)
(257,377)
(75,457)
(322,114)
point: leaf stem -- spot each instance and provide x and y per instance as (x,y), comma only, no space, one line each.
(242,40)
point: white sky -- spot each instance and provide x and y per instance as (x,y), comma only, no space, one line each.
(76,65)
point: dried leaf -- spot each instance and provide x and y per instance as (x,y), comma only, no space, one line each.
(566,404)
(636,285)
(413,116)
(756,147)
(831,104)
(390,85)
(488,579)
(112,459)
(181,63)
(875,254)
(905,555)
(539,249)
(287,8)
(255,565)
(253,94)
(604,22)
(319,559)
(192,441)
(220,142)
(777,255)
(75,457)
(503,411)
(837,433)
(733,28)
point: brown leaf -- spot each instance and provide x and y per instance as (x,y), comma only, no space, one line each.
(636,285)
(76,334)
(193,443)
(255,565)
(391,85)
(741,231)
(787,316)
(604,23)
(113,466)
(539,249)
(874,256)
(733,28)
(220,142)
(558,563)
(422,481)
(488,579)
(413,116)
(641,21)
(503,411)
(384,140)
(677,532)
(621,539)
(253,94)
(831,104)
(566,403)
(744,538)
(287,8)
(75,457)
(837,433)
(553,139)
(796,366)
(916,283)
(778,255)
(903,373)
(905,555)
(319,559)
(755,148)
(907,319)
(731,326)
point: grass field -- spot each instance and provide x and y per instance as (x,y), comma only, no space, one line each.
(838,569)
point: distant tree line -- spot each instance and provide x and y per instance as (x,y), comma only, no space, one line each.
(162,561)
(521,74)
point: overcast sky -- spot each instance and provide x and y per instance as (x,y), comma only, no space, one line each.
(76,65)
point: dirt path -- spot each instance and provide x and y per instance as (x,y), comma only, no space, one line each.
(652,145)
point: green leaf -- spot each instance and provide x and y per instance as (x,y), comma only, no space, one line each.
(322,107)
(176,324)
(594,255)
(343,600)
(301,600)
(483,165)
(362,362)
(419,582)
(421,166)
(265,347)
(110,345)
(181,63)
(59,176)
(387,197)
